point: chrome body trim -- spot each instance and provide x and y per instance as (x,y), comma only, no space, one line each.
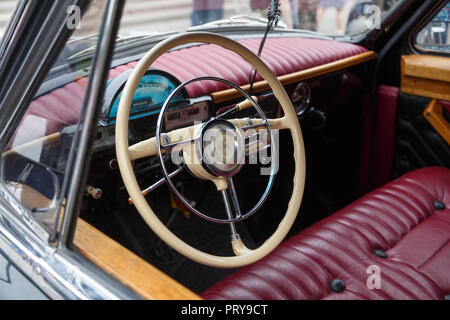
(15,25)
(56,272)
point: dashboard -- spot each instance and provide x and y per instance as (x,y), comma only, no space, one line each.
(151,94)
(157,84)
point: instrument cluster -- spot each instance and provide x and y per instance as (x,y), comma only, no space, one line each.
(151,94)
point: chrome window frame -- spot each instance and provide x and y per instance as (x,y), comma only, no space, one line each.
(35,226)
(53,236)
(13,29)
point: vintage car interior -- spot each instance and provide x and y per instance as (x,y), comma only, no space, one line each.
(354,178)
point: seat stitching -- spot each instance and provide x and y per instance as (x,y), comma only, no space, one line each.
(368,225)
(243,287)
(417,184)
(415,201)
(394,193)
(312,275)
(335,261)
(383,263)
(316,262)
(418,284)
(411,195)
(375,234)
(344,238)
(381,222)
(401,287)
(250,272)
(291,280)
(399,210)
(434,254)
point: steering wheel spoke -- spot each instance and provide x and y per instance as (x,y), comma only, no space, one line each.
(234,198)
(229,212)
(170,140)
(238,246)
(157,184)
(175,144)
(239,107)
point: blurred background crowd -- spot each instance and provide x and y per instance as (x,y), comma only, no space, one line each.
(325,16)
(297,14)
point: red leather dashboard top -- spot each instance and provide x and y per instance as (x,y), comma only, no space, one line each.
(61,107)
(282,55)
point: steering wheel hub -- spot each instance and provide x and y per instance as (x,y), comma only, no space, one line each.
(221,148)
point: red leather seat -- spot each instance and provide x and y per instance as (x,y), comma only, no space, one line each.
(404,220)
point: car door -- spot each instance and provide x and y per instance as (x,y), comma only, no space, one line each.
(422,128)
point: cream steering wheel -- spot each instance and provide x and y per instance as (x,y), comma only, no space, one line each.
(125,153)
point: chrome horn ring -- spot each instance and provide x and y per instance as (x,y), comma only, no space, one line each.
(265,123)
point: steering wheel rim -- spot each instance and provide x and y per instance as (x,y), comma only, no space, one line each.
(243,256)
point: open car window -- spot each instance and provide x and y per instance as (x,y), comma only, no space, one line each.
(435,36)
(34,160)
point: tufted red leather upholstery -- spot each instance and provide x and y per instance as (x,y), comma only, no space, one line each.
(61,107)
(398,218)
(282,55)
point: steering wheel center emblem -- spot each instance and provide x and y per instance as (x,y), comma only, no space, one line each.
(221,148)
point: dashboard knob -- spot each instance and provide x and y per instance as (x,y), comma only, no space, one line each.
(113,164)
(95,193)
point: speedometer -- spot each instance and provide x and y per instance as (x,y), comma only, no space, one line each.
(151,93)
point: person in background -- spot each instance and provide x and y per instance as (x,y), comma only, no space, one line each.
(287,13)
(286,7)
(307,11)
(259,4)
(339,5)
(205,11)
(294,10)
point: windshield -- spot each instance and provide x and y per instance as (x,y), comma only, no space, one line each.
(329,17)
(153,18)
